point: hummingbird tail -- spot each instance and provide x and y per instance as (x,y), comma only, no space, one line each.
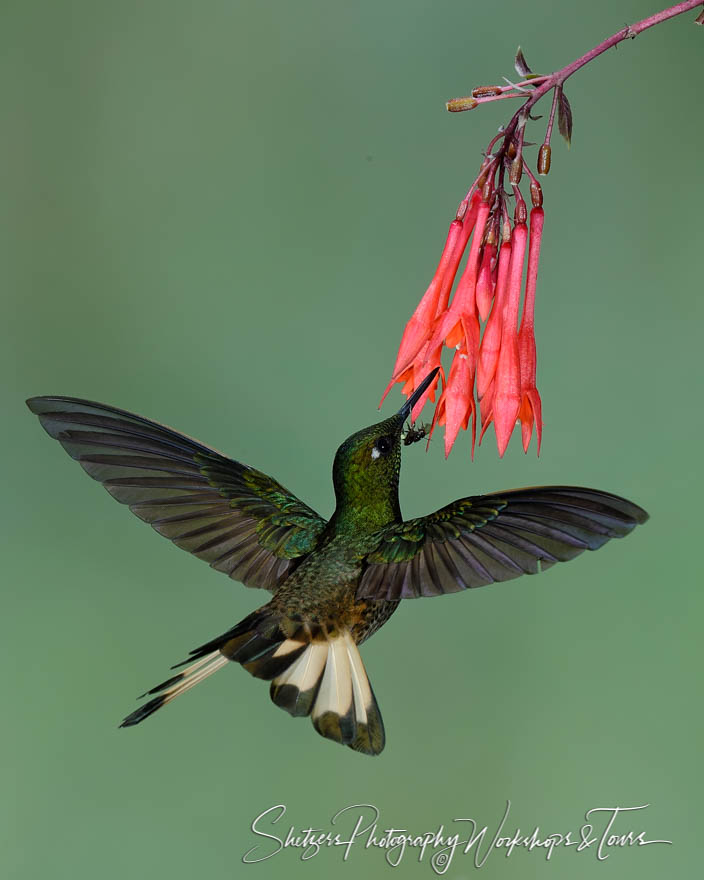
(176,685)
(328,681)
(204,661)
(311,673)
(318,675)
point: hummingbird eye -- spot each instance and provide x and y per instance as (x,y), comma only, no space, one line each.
(381,447)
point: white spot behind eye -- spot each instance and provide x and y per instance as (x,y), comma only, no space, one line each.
(375,452)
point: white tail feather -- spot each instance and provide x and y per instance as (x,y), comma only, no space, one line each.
(304,673)
(177,685)
(328,682)
(360,683)
(287,647)
(335,694)
(195,674)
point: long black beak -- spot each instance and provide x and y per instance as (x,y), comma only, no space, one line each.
(407,407)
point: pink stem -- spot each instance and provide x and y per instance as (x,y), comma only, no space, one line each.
(629,32)
(551,120)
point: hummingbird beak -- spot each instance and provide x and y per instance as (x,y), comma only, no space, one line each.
(407,407)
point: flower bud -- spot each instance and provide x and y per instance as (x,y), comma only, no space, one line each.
(516,171)
(506,230)
(487,166)
(457,105)
(536,194)
(544,159)
(486,92)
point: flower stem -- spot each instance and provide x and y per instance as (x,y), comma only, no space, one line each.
(551,120)
(629,32)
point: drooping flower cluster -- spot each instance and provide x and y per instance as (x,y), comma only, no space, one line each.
(500,360)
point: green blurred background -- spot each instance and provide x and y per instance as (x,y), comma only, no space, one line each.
(220,215)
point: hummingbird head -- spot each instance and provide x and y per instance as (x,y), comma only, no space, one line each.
(367,466)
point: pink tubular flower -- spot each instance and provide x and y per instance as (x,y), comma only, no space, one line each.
(456,405)
(507,391)
(459,323)
(531,406)
(486,280)
(414,353)
(491,340)
(415,335)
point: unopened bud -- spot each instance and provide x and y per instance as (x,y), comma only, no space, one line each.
(457,105)
(512,150)
(486,91)
(462,210)
(488,189)
(520,215)
(516,171)
(536,194)
(544,159)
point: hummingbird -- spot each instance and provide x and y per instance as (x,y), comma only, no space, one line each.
(334,583)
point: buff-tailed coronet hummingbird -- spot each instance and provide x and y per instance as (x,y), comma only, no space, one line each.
(335,582)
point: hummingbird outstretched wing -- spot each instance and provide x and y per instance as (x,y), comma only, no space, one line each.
(490,538)
(239,520)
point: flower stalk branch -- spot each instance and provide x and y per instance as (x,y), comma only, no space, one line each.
(543,84)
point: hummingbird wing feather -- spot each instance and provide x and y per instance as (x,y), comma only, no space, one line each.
(239,520)
(490,538)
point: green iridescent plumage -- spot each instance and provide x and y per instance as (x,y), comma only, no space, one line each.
(236,518)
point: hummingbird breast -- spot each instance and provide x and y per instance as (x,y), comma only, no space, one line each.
(320,596)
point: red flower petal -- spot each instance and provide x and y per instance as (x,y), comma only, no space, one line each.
(531,405)
(463,302)
(491,341)
(459,400)
(507,399)
(486,281)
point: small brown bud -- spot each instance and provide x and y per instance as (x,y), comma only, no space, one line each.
(544,159)
(512,150)
(520,215)
(488,189)
(516,171)
(486,91)
(457,105)
(536,194)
